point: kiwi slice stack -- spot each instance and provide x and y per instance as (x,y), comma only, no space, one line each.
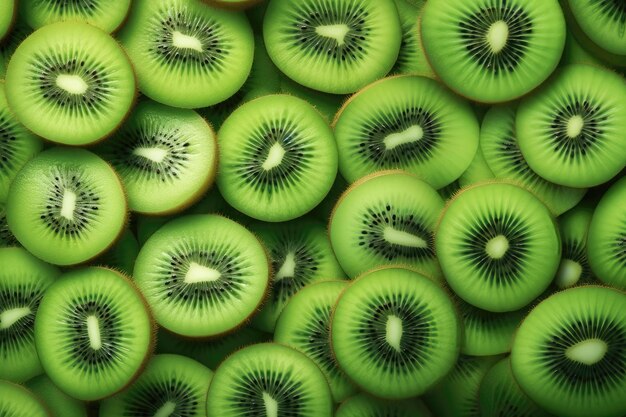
(17,401)
(57,402)
(574,268)
(363,405)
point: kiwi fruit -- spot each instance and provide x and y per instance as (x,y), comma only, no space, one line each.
(17,401)
(304,324)
(122,254)
(478,171)
(59,404)
(6,236)
(70,83)
(203,275)
(187,54)
(603,21)
(411,58)
(93,333)
(569,354)
(363,405)
(171,385)
(166,157)
(278,158)
(268,379)
(334,46)
(570,131)
(498,246)
(606,242)
(395,333)
(24,280)
(301,254)
(7,17)
(574,268)
(66,206)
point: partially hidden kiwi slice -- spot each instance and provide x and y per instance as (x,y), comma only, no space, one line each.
(406,122)
(58,403)
(569,132)
(122,254)
(7,17)
(395,333)
(233,4)
(569,354)
(23,282)
(603,21)
(203,275)
(17,401)
(478,171)
(278,158)
(268,379)
(171,385)
(326,103)
(6,236)
(304,324)
(66,206)
(70,83)
(385,218)
(574,268)
(576,53)
(411,58)
(498,246)
(10,43)
(93,333)
(166,157)
(187,54)
(334,46)
(363,405)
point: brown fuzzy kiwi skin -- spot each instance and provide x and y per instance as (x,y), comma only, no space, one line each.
(233,6)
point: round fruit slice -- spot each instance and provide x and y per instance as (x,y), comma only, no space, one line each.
(203,275)
(363,405)
(59,403)
(498,246)
(569,354)
(603,21)
(93,333)
(66,206)
(269,380)
(70,83)
(395,333)
(574,268)
(17,401)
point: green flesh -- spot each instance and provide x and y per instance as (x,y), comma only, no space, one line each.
(17,401)
(363,405)
(58,403)
(604,21)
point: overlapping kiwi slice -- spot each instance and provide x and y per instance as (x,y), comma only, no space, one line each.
(493,50)
(574,268)
(406,122)
(122,254)
(17,401)
(386,218)
(57,402)
(66,206)
(570,131)
(187,54)
(500,148)
(278,158)
(603,21)
(93,333)
(7,17)
(6,236)
(268,379)
(498,246)
(171,385)
(334,46)
(23,282)
(10,43)
(166,157)
(478,171)
(203,275)
(569,354)
(395,333)
(363,405)
(70,83)
(411,58)
(233,4)
(304,324)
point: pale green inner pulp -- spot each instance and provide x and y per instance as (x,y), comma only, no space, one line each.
(398,237)
(588,351)
(496,247)
(200,273)
(73,84)
(337,32)
(68,204)
(93,331)
(393,334)
(166,409)
(569,273)
(409,135)
(271,405)
(497,36)
(9,317)
(274,157)
(153,154)
(575,126)
(180,40)
(288,268)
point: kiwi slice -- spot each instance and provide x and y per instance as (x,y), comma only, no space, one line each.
(363,405)
(574,268)
(58,403)
(386,218)
(411,58)
(449,190)
(66,206)
(7,17)
(17,401)
(278,158)
(107,15)
(304,324)
(334,46)
(498,246)
(23,281)
(70,83)
(406,122)
(122,254)
(171,385)
(166,157)
(93,333)
(187,54)
(493,50)
(502,153)
(478,171)
(569,354)
(500,395)
(395,333)
(570,131)
(6,236)
(268,379)
(301,254)
(203,275)
(606,244)
(603,21)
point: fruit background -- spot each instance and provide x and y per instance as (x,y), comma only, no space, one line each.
(312,208)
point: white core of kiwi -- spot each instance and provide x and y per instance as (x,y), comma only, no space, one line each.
(11,316)
(93,331)
(409,135)
(72,83)
(575,126)
(68,205)
(274,157)
(568,274)
(182,41)
(200,273)
(401,238)
(154,154)
(166,409)
(337,32)
(288,268)
(393,332)
(497,36)
(588,352)
(496,247)
(271,405)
